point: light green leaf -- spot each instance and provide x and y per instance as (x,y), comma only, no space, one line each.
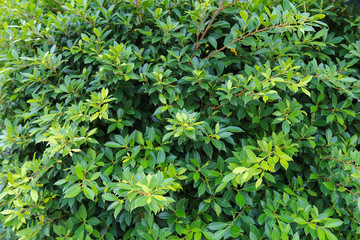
(171,170)
(89,193)
(73,191)
(299,220)
(217,226)
(333,223)
(112,145)
(79,172)
(180,213)
(321,234)
(140,201)
(34,195)
(284,163)
(239,170)
(109,197)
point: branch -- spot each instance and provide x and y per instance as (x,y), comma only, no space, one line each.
(247,35)
(342,161)
(328,180)
(137,9)
(243,91)
(175,5)
(197,44)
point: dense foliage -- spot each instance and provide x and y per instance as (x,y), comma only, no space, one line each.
(179,119)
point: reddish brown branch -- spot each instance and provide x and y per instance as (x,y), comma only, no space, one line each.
(197,44)
(247,35)
(175,5)
(328,180)
(342,161)
(243,91)
(137,9)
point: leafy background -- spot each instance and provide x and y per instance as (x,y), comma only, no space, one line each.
(179,119)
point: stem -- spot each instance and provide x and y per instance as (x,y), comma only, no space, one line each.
(137,9)
(197,44)
(175,5)
(247,35)
(243,91)
(342,161)
(328,180)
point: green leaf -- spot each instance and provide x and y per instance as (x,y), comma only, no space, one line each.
(318,16)
(106,105)
(332,223)
(180,213)
(109,197)
(112,145)
(219,55)
(93,221)
(321,33)
(284,163)
(253,236)
(244,15)
(161,156)
(171,170)
(240,200)
(82,212)
(217,209)
(15,54)
(89,193)
(235,231)
(24,232)
(286,127)
(94,116)
(213,42)
(124,186)
(251,155)
(229,177)
(190,134)
(95,176)
(73,191)
(79,172)
(140,201)
(321,234)
(330,235)
(258,182)
(329,186)
(34,195)
(330,118)
(269,213)
(117,210)
(300,220)
(196,176)
(275,234)
(10,178)
(239,170)
(221,187)
(217,226)
(202,188)
(269,177)
(60,182)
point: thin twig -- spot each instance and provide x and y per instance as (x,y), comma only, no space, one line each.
(175,5)
(243,91)
(197,44)
(342,161)
(247,35)
(137,9)
(328,180)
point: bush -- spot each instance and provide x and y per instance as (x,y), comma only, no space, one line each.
(179,120)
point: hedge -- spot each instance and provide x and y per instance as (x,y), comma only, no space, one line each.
(179,119)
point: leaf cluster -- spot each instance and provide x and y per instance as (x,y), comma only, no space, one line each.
(179,119)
